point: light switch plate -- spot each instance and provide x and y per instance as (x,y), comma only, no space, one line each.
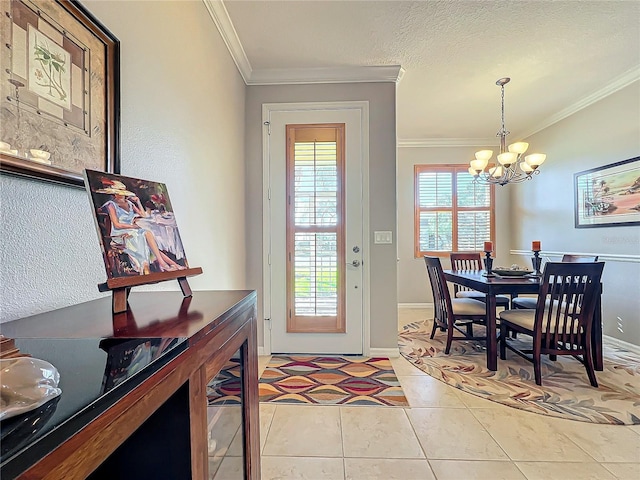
(384,237)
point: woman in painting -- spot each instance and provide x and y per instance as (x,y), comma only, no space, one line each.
(123,209)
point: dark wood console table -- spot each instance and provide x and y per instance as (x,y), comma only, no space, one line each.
(150,422)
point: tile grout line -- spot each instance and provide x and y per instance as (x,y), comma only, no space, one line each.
(512,460)
(413,428)
(575,443)
(266,435)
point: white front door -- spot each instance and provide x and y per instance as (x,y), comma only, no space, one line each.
(314,274)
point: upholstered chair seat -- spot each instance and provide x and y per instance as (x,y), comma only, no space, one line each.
(525,302)
(526,319)
(501,300)
(468,306)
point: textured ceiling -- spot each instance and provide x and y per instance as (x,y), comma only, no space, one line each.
(557,53)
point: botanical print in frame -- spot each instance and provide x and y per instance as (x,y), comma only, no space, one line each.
(50,70)
(136,225)
(609,195)
(59,87)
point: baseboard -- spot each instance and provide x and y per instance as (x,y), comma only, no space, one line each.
(415,305)
(622,344)
(384,352)
(261,351)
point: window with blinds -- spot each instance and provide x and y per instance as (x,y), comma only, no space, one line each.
(452,212)
(315,243)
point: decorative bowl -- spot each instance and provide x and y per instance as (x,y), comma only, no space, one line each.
(507,272)
(26,383)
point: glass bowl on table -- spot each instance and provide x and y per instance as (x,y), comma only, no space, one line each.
(512,271)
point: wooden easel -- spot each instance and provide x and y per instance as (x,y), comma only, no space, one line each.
(121,286)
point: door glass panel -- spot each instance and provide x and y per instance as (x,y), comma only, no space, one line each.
(316,274)
(224,421)
(315,239)
(316,183)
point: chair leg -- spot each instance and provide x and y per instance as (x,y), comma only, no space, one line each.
(433,329)
(588,363)
(449,339)
(469,329)
(503,341)
(537,369)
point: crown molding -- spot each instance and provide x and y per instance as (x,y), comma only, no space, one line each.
(618,83)
(447,142)
(288,76)
(220,17)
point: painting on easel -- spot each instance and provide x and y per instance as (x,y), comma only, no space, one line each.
(136,225)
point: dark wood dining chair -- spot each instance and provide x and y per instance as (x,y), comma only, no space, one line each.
(562,320)
(530,302)
(452,314)
(472,261)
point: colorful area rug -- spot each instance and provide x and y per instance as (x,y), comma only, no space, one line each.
(565,390)
(331,381)
(226,387)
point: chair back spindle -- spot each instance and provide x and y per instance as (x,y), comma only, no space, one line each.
(464,261)
(566,305)
(443,310)
(451,314)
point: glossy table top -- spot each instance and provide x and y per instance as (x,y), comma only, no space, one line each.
(94,373)
(478,280)
(151,314)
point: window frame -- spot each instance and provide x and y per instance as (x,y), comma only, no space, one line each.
(454,169)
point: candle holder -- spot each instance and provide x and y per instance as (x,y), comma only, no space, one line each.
(488,264)
(536,261)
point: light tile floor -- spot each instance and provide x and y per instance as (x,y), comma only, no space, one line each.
(445,434)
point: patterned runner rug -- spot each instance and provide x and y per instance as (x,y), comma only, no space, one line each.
(331,381)
(226,387)
(565,390)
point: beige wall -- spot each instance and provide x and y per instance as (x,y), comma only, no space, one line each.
(182,124)
(413,285)
(603,133)
(382,211)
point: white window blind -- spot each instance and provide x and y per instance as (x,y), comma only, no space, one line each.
(452,212)
(315,201)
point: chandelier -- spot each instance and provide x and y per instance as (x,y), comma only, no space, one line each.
(512,167)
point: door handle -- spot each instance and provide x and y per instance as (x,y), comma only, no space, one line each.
(355,263)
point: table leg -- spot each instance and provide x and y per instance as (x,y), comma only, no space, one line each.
(492,344)
(596,335)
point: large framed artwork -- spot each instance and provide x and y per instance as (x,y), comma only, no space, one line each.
(59,86)
(608,196)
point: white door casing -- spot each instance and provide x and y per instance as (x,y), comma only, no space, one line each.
(275,118)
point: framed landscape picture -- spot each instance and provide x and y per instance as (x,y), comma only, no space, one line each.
(136,225)
(59,92)
(608,196)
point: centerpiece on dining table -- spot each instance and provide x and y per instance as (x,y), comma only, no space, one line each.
(512,271)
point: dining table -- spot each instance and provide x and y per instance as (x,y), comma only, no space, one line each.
(493,284)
